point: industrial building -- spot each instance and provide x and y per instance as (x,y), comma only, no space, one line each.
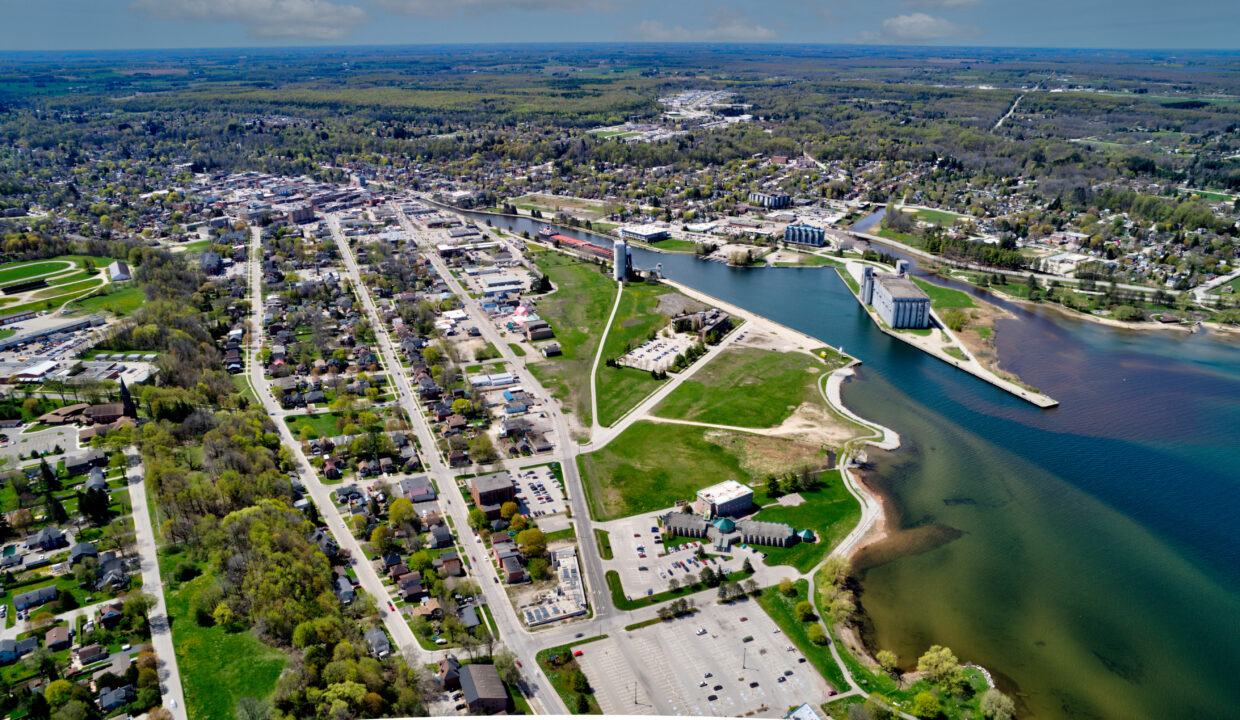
(805,235)
(726,498)
(119,272)
(623,260)
(50,330)
(645,233)
(896,299)
(770,201)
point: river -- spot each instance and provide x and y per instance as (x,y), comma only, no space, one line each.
(1083,554)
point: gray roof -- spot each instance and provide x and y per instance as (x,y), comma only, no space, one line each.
(493,481)
(480,682)
(900,287)
(378,641)
(679,521)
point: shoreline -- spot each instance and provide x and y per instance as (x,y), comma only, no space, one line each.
(1068,312)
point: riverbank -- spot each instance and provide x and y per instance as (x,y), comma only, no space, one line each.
(942,347)
(1068,312)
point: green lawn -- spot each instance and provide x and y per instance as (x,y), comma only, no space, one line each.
(829,510)
(567,533)
(58,290)
(782,610)
(747,387)
(937,216)
(576,311)
(13,272)
(942,298)
(118,302)
(218,667)
(619,388)
(558,672)
(676,245)
(810,260)
(517,349)
(322,424)
(652,465)
(601,536)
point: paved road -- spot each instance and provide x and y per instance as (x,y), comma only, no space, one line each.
(513,634)
(369,580)
(161,631)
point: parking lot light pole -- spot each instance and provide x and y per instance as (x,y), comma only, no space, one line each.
(744,652)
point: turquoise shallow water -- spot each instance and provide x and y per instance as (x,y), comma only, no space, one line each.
(1083,554)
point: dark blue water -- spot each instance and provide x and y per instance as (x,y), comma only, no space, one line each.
(1094,570)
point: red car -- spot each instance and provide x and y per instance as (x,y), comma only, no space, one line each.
(744,619)
(577,653)
(519,664)
(391,606)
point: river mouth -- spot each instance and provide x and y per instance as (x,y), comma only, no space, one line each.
(1085,555)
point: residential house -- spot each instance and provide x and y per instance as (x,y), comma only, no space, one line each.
(49,538)
(448,674)
(109,615)
(380,647)
(13,650)
(35,598)
(113,699)
(57,638)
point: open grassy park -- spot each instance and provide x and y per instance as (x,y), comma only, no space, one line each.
(747,387)
(118,302)
(577,311)
(942,298)
(619,388)
(217,667)
(651,466)
(829,510)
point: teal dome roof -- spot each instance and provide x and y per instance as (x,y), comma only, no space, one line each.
(724,524)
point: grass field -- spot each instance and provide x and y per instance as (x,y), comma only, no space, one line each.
(650,466)
(676,245)
(942,298)
(58,290)
(558,673)
(782,611)
(576,311)
(937,216)
(118,302)
(829,510)
(14,272)
(810,260)
(218,667)
(746,387)
(620,389)
(322,424)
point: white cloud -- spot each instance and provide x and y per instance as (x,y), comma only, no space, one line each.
(917,29)
(725,25)
(433,8)
(942,4)
(303,19)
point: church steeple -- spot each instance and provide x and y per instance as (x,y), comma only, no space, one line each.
(127,406)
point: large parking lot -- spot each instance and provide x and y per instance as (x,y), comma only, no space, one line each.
(636,545)
(538,491)
(725,660)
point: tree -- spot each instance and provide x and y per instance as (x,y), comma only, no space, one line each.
(747,567)
(787,587)
(50,482)
(941,667)
(477,518)
(804,611)
(380,536)
(506,666)
(401,513)
(997,706)
(508,509)
(519,523)
(751,587)
(58,692)
(926,705)
(888,661)
(583,704)
(94,505)
(532,542)
(816,634)
(578,682)
(55,510)
(537,568)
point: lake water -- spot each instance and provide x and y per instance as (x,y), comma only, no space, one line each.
(1083,554)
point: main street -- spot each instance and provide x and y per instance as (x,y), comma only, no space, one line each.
(591,564)
(511,631)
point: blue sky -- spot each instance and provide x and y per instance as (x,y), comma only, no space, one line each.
(120,24)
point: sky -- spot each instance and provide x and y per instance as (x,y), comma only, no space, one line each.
(132,24)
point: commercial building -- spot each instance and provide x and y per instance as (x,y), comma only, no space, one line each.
(770,201)
(50,330)
(491,491)
(728,498)
(645,233)
(805,235)
(896,299)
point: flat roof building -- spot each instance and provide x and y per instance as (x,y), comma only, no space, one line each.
(726,498)
(896,298)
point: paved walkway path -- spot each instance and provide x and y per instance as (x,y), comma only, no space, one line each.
(598,357)
(161,630)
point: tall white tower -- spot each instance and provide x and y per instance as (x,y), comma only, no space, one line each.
(620,254)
